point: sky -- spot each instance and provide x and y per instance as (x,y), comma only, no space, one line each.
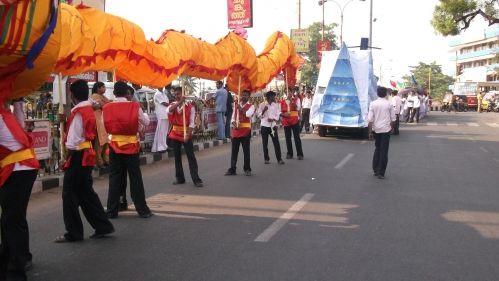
(402,28)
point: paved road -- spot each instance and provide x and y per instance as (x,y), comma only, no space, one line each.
(434,217)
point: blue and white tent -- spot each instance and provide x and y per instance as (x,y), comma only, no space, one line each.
(345,87)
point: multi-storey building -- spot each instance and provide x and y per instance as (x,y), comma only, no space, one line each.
(476,55)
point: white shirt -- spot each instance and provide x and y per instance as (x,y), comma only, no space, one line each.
(161,110)
(76,133)
(416,101)
(307,102)
(191,117)
(143,118)
(249,113)
(8,140)
(397,104)
(19,112)
(273,112)
(381,114)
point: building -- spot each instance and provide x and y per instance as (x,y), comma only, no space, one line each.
(476,55)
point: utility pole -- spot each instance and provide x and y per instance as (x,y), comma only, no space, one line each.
(299,14)
(371,24)
(322,20)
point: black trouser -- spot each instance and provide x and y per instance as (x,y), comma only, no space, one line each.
(397,124)
(14,249)
(245,143)
(296,135)
(409,114)
(77,191)
(305,119)
(191,158)
(228,119)
(266,131)
(415,113)
(380,158)
(120,164)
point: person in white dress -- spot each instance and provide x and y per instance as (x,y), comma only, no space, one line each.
(161,103)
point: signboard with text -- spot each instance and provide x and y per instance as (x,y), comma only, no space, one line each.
(240,13)
(39,131)
(322,45)
(209,119)
(300,40)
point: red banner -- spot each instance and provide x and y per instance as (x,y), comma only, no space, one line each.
(322,46)
(240,13)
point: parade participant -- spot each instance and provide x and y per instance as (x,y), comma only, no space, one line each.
(241,133)
(381,118)
(160,106)
(77,189)
(121,119)
(269,113)
(181,116)
(101,141)
(397,105)
(291,123)
(305,114)
(19,168)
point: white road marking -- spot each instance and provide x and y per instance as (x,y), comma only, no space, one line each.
(472,124)
(268,233)
(493,125)
(363,142)
(340,226)
(432,124)
(344,161)
(484,149)
(451,124)
(472,139)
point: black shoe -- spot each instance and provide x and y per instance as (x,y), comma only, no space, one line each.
(247,173)
(300,157)
(230,173)
(375,174)
(112,215)
(267,162)
(289,156)
(198,184)
(146,215)
(64,239)
(100,235)
(123,206)
(177,182)
(281,162)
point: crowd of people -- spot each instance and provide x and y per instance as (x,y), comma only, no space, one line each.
(107,133)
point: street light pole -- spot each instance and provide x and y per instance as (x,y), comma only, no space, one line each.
(342,9)
(322,3)
(371,24)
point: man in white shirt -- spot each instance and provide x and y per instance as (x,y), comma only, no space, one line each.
(397,106)
(305,113)
(416,104)
(160,105)
(77,187)
(381,118)
(269,113)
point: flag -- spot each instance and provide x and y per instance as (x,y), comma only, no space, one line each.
(393,84)
(400,85)
(414,80)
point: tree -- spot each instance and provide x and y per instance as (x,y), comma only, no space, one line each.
(310,71)
(439,81)
(189,83)
(450,17)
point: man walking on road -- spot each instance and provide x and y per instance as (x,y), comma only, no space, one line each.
(291,123)
(269,113)
(397,105)
(77,187)
(381,118)
(220,108)
(241,133)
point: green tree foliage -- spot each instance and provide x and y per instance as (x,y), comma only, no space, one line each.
(450,17)
(310,70)
(439,81)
